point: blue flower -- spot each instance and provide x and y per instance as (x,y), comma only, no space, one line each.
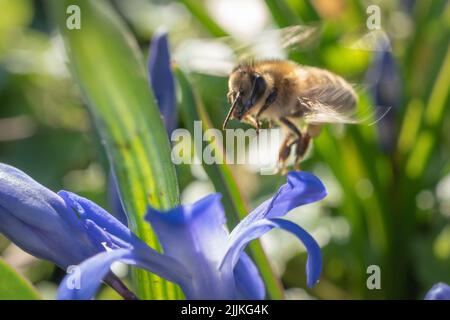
(161,79)
(67,229)
(39,221)
(439,291)
(200,255)
(385,88)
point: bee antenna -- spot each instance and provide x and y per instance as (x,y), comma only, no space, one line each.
(233,106)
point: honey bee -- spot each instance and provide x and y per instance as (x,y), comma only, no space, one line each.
(291,95)
(299,98)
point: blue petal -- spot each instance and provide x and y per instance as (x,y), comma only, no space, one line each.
(21,195)
(32,240)
(301,188)
(385,84)
(439,291)
(88,210)
(195,234)
(98,237)
(161,79)
(314,262)
(85,279)
(259,228)
(248,281)
(383,74)
(38,221)
(189,230)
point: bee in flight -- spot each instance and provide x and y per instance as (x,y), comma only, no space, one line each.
(290,95)
(299,98)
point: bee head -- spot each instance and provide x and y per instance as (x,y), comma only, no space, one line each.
(246,89)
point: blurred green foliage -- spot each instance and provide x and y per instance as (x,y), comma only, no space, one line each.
(13,286)
(395,202)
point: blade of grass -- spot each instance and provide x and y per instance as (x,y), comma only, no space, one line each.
(110,72)
(433,116)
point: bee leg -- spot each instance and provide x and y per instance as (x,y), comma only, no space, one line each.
(269,100)
(253,122)
(293,128)
(285,149)
(283,155)
(302,147)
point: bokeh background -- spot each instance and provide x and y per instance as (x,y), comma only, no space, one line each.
(389,184)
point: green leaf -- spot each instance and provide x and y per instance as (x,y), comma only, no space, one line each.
(109,69)
(13,286)
(192,110)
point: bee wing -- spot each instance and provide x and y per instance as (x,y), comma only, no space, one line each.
(318,112)
(210,57)
(362,39)
(219,56)
(276,43)
(337,105)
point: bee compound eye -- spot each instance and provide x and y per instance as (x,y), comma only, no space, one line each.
(259,87)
